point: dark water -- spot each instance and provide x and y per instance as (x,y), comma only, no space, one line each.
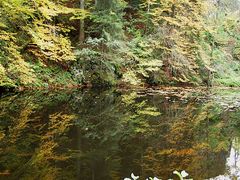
(101,135)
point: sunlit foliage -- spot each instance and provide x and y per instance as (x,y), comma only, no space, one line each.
(29,33)
(111,42)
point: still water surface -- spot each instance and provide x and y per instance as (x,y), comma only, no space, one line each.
(101,135)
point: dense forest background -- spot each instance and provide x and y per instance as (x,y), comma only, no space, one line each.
(67,43)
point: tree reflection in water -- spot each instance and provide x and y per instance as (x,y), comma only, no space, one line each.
(110,134)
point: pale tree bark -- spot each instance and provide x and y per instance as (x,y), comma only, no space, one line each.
(81,24)
(148,7)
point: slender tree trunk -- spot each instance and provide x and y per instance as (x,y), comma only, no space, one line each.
(148,8)
(81,25)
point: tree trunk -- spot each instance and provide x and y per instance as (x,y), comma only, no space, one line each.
(81,25)
(148,8)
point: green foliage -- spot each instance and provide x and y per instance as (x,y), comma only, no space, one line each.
(174,34)
(14,68)
(92,67)
(223,40)
(51,46)
(52,77)
(108,19)
(4,80)
(29,28)
(122,42)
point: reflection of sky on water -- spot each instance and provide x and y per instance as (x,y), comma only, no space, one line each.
(233,163)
